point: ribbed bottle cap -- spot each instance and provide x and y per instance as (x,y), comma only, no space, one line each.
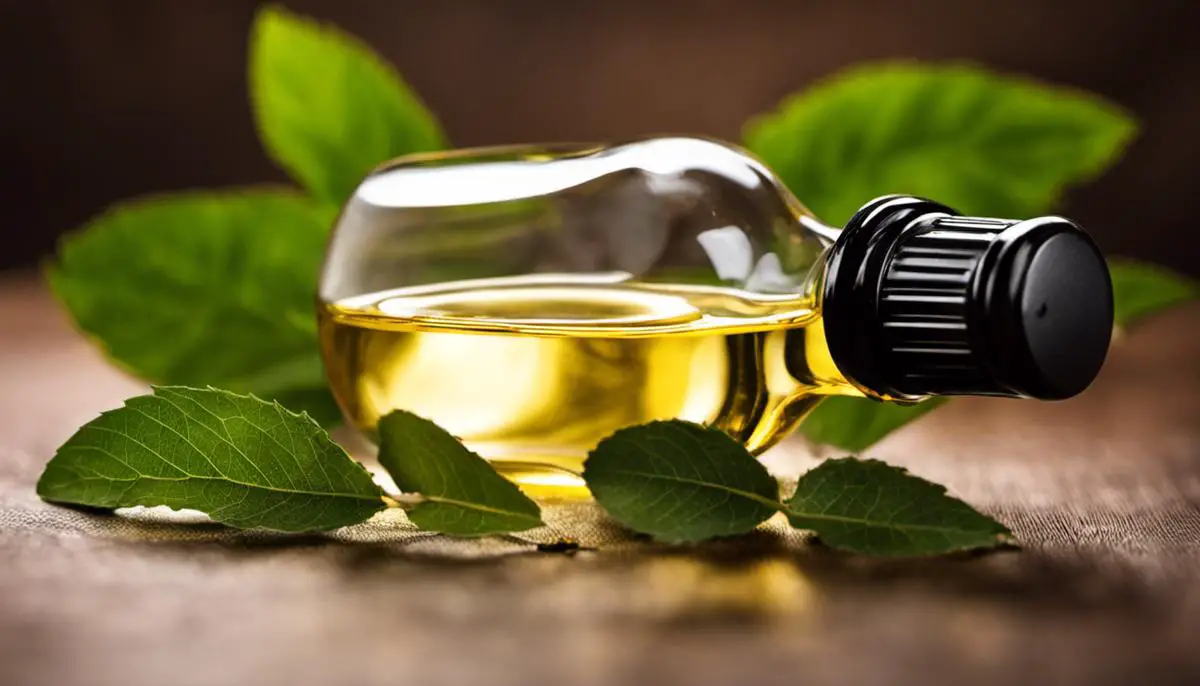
(919,300)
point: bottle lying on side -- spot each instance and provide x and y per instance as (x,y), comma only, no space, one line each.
(534,299)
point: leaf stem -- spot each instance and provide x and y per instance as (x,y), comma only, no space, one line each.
(404,501)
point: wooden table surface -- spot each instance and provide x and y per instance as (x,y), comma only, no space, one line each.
(1103,491)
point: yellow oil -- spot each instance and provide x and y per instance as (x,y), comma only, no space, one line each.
(533,372)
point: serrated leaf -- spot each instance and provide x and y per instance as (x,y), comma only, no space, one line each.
(243,461)
(855,424)
(866,506)
(1141,289)
(318,403)
(983,143)
(328,108)
(203,288)
(680,481)
(464,495)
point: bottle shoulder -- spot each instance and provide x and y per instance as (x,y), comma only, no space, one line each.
(516,172)
(666,209)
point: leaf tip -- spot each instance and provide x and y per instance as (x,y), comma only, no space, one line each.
(271,17)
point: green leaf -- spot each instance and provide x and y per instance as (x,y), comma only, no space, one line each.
(1143,289)
(318,403)
(982,143)
(328,108)
(202,288)
(679,481)
(866,506)
(855,424)
(463,494)
(243,461)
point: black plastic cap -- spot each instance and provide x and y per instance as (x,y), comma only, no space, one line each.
(921,301)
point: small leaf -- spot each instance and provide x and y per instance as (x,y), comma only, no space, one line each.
(866,506)
(328,108)
(203,288)
(244,462)
(854,424)
(982,143)
(1143,289)
(679,481)
(464,495)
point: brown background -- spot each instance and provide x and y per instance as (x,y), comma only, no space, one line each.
(104,99)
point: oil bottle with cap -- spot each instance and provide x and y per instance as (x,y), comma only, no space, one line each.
(534,299)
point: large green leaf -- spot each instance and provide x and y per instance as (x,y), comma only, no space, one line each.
(203,288)
(463,495)
(328,108)
(982,143)
(679,481)
(243,461)
(870,507)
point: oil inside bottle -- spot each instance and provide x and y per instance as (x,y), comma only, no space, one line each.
(533,371)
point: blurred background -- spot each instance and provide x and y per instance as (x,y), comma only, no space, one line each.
(107,99)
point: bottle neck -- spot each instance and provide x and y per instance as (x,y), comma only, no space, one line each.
(811,364)
(826,234)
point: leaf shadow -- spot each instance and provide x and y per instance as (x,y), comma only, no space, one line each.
(166,529)
(1045,581)
(1038,580)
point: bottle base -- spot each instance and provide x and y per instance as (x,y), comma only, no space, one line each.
(538,472)
(543,481)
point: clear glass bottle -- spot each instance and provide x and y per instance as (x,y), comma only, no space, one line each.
(534,299)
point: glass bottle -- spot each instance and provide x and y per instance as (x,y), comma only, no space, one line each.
(534,299)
